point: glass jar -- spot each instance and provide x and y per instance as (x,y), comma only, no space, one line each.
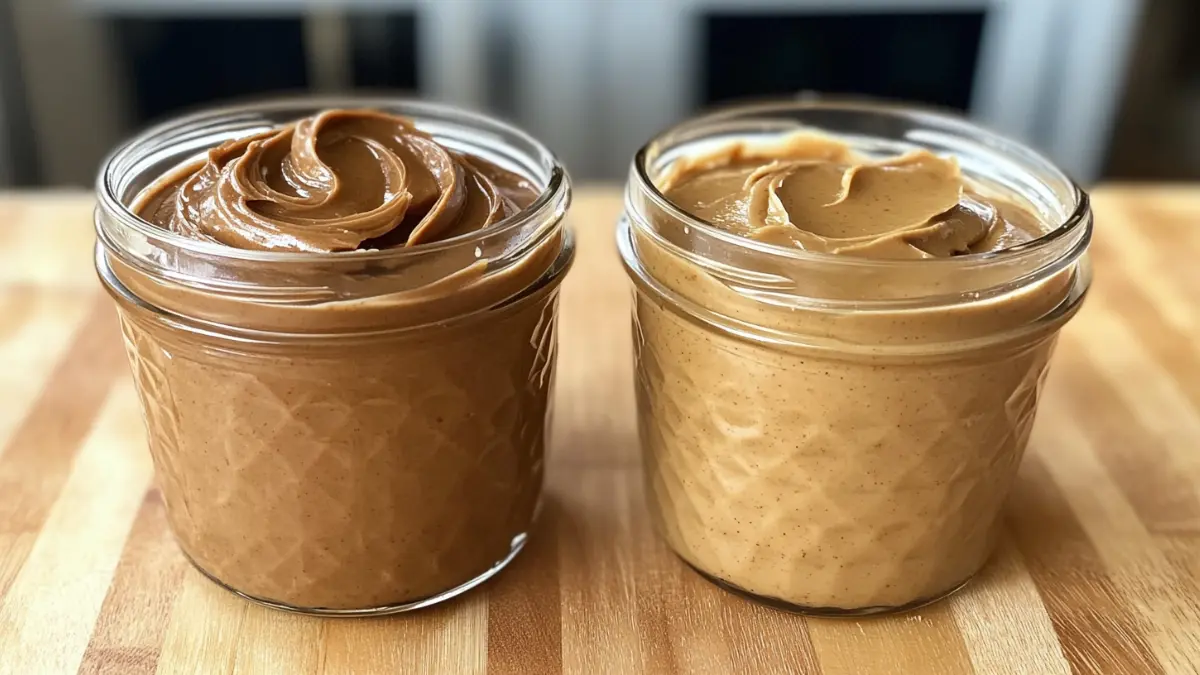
(357,432)
(831,434)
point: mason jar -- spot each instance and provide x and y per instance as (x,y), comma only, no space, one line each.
(352,432)
(833,434)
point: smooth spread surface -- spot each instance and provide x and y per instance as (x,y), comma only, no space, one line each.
(333,183)
(1096,573)
(338,181)
(814,193)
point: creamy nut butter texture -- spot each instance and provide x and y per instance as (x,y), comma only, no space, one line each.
(337,181)
(375,439)
(813,193)
(865,471)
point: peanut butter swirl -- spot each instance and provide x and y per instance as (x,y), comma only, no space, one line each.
(337,181)
(813,193)
(342,181)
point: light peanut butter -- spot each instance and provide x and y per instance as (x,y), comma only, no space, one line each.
(813,193)
(865,472)
(353,431)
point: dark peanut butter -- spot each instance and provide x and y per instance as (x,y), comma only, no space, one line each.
(345,431)
(338,181)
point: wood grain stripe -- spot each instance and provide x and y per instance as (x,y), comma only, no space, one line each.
(38,456)
(682,636)
(133,620)
(450,639)
(1172,346)
(524,625)
(1157,593)
(924,640)
(1095,627)
(282,642)
(1145,388)
(1182,552)
(35,328)
(657,595)
(1137,459)
(1002,620)
(681,614)
(65,220)
(50,610)
(446,639)
(210,644)
(1122,248)
(594,435)
(599,606)
(1175,262)
(765,640)
(592,368)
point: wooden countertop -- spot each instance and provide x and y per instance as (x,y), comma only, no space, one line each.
(1098,573)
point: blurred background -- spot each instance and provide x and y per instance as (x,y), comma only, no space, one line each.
(1108,88)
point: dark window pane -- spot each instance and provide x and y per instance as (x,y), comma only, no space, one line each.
(180,63)
(922,57)
(384,51)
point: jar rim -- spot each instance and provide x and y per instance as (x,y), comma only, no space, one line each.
(555,196)
(934,118)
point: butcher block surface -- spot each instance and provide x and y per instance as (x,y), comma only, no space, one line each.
(1098,571)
